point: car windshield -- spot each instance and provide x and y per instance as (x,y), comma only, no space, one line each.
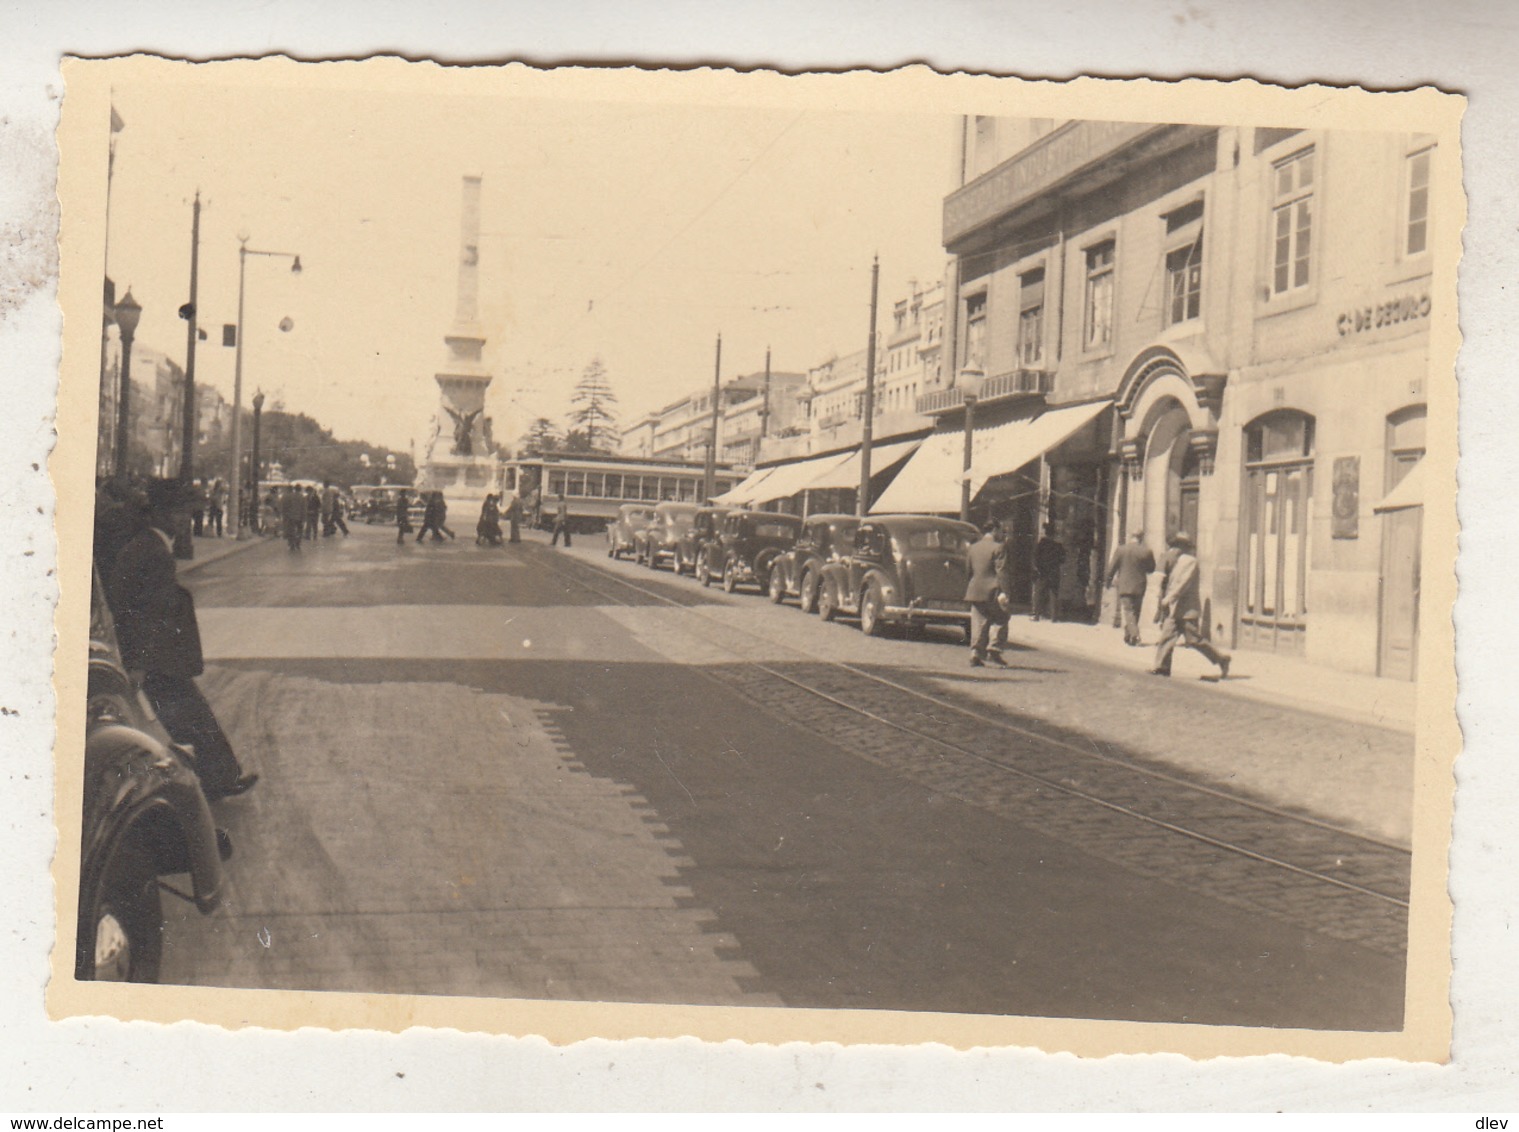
(773,530)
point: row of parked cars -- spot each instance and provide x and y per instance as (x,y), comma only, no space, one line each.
(888,570)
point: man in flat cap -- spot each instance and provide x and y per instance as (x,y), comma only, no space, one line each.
(1182,609)
(160,641)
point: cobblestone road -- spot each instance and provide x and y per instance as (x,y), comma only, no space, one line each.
(500,773)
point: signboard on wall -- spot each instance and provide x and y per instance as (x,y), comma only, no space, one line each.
(1345,520)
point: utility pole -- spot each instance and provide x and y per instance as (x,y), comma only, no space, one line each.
(709,481)
(765,404)
(188,312)
(867,433)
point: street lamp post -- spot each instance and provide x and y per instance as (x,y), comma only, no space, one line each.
(970,393)
(234,503)
(128,312)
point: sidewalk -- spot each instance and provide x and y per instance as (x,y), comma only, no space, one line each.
(1262,676)
(209,550)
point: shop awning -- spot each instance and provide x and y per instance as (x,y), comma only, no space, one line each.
(1408,493)
(930,483)
(847,474)
(788,479)
(743,493)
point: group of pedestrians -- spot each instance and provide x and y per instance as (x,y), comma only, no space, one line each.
(208,503)
(1179,611)
(303,514)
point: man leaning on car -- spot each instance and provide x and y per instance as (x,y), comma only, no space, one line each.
(160,642)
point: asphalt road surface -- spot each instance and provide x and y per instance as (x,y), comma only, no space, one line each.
(515,772)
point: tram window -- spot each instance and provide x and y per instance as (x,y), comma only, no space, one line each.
(556,483)
(593,482)
(650,487)
(612,487)
(576,484)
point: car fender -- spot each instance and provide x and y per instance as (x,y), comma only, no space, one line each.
(136,786)
(891,590)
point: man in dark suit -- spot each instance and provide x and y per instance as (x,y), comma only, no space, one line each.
(987,591)
(160,642)
(1130,574)
(1049,556)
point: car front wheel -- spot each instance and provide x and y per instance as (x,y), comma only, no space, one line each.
(121,939)
(777,588)
(873,611)
(730,579)
(828,604)
(809,591)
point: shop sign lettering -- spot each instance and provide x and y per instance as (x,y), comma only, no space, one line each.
(1406,308)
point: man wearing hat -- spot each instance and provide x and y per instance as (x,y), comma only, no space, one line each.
(1130,572)
(160,641)
(1182,610)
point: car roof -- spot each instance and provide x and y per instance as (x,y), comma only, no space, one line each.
(920,522)
(671,507)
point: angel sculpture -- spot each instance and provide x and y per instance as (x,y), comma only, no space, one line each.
(464,424)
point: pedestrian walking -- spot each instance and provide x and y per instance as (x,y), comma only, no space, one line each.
(1049,556)
(488,528)
(198,504)
(338,509)
(403,516)
(988,591)
(442,505)
(514,518)
(159,637)
(313,513)
(293,516)
(1129,574)
(561,523)
(433,512)
(1181,607)
(216,506)
(329,501)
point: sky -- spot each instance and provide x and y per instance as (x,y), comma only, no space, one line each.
(632,232)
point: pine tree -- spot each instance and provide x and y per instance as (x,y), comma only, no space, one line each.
(594,412)
(541,437)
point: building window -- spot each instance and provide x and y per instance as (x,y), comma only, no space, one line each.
(1405,443)
(1184,282)
(1277,507)
(1099,296)
(975,331)
(1291,221)
(1031,319)
(1416,232)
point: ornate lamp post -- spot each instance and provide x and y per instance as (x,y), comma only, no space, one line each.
(234,503)
(970,393)
(128,312)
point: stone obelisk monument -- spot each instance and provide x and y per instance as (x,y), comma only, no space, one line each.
(460,459)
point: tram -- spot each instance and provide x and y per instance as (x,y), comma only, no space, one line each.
(596,484)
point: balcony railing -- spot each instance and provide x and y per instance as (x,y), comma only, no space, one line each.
(1014,383)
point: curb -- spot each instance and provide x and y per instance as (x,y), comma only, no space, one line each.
(239,546)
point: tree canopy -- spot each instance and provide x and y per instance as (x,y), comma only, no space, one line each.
(593,413)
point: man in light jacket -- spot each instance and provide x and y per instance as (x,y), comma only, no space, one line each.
(1181,607)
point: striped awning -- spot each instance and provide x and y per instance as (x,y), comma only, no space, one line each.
(882,457)
(788,479)
(930,483)
(743,492)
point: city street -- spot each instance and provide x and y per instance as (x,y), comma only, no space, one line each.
(526,772)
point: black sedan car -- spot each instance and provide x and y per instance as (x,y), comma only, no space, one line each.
(796,572)
(747,544)
(660,541)
(908,570)
(144,817)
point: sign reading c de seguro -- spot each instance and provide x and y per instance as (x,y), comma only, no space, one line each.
(1406,308)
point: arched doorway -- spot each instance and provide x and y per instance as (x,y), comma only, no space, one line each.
(1166,456)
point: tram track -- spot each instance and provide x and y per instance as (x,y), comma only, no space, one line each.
(1244,850)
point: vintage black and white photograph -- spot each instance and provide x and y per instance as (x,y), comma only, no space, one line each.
(949,551)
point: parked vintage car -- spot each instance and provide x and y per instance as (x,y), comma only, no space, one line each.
(660,540)
(692,553)
(631,518)
(144,817)
(904,570)
(822,539)
(747,543)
